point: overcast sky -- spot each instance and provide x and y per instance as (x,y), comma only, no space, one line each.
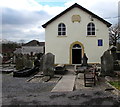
(22,19)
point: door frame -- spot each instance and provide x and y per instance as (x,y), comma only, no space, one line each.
(71,47)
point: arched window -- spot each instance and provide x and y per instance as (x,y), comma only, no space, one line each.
(61,29)
(76,46)
(91,29)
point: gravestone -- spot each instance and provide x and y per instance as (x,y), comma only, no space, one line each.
(48,65)
(114,54)
(19,62)
(37,63)
(107,63)
(41,63)
(39,55)
(85,59)
(23,61)
(29,64)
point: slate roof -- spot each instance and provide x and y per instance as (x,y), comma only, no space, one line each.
(34,43)
(18,51)
(80,7)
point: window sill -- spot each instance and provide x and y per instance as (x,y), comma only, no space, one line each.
(61,36)
(91,36)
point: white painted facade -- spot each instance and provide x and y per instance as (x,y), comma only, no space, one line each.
(76,32)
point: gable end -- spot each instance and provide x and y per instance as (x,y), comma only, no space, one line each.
(80,7)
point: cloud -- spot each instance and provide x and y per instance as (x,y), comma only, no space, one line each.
(53,10)
(30,5)
(15,33)
(107,9)
(22,19)
(26,25)
(119,13)
(84,3)
(11,16)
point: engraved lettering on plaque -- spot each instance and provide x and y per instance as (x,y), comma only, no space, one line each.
(76,18)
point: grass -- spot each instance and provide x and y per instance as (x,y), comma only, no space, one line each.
(116,84)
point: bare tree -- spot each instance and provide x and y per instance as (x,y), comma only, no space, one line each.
(114,34)
(22,41)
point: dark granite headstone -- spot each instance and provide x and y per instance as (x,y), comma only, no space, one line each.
(39,55)
(48,65)
(107,63)
(37,63)
(85,59)
(114,54)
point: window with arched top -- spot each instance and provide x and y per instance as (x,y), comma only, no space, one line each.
(76,46)
(61,29)
(91,29)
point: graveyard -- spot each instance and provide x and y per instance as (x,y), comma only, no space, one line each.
(40,82)
(54,54)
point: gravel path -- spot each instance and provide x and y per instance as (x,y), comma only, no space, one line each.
(19,92)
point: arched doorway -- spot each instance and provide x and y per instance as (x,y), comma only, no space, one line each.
(76,53)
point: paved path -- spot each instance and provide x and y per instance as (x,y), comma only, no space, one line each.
(18,92)
(65,84)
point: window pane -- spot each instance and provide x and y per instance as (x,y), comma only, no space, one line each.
(63,33)
(88,33)
(59,29)
(63,29)
(76,46)
(93,33)
(92,24)
(89,25)
(59,33)
(88,29)
(100,42)
(59,25)
(91,29)
(62,25)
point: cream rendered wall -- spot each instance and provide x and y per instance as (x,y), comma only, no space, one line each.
(60,45)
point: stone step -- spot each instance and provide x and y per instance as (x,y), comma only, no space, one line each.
(65,84)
